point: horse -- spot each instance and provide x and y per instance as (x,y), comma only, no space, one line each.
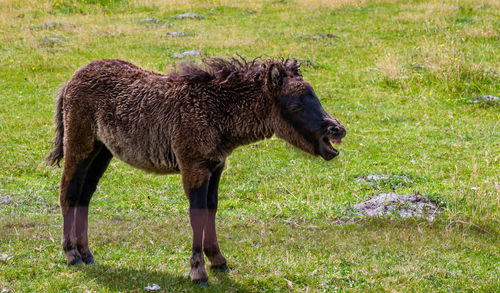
(187,121)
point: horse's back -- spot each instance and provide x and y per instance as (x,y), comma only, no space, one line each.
(120,105)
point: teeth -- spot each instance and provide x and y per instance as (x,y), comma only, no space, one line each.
(328,142)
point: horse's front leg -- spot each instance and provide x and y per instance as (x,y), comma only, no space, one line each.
(195,183)
(210,244)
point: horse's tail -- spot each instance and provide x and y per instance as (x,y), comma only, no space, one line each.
(57,154)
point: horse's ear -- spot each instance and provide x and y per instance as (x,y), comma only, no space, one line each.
(274,78)
(293,66)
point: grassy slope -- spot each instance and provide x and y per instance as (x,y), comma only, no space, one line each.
(398,76)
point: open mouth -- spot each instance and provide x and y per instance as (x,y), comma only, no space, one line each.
(327,151)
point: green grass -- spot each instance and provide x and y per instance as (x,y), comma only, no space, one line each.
(398,75)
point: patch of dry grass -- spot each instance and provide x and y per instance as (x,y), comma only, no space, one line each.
(487,31)
(446,62)
(414,15)
(181,4)
(437,6)
(330,3)
(169,5)
(391,66)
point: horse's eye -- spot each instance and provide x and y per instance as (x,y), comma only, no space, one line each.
(294,107)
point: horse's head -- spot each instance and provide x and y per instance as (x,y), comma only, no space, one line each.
(299,117)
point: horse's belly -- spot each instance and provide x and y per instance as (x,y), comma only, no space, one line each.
(147,165)
(156,157)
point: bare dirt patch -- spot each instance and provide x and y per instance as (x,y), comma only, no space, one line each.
(192,53)
(148,20)
(393,204)
(176,34)
(485,99)
(189,15)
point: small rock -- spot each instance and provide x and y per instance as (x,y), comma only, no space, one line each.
(374,177)
(405,206)
(146,20)
(481,6)
(378,177)
(189,15)
(176,34)
(325,36)
(192,53)
(307,62)
(4,257)
(5,199)
(54,25)
(52,39)
(485,99)
(51,26)
(153,287)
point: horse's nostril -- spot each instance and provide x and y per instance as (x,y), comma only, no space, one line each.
(338,130)
(342,132)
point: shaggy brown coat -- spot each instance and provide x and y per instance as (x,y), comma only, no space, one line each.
(203,114)
(187,121)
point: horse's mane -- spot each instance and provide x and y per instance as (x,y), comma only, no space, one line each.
(232,70)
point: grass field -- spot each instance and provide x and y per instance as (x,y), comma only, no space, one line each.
(398,74)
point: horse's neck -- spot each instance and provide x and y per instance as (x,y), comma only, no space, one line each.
(250,118)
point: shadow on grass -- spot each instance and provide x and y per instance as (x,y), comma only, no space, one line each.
(131,279)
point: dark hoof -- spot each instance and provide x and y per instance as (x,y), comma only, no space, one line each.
(201,283)
(89,260)
(76,262)
(220,268)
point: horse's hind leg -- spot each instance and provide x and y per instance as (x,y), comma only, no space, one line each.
(210,244)
(79,152)
(94,173)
